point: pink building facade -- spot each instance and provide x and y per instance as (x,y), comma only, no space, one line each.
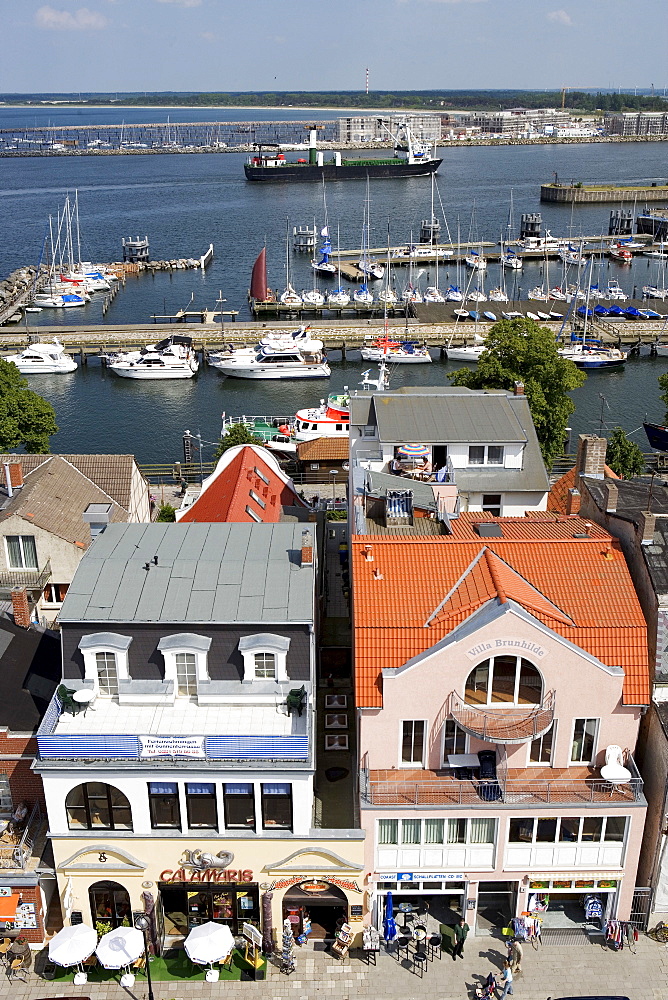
(530,821)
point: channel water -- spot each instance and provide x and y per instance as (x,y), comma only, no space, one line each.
(183,202)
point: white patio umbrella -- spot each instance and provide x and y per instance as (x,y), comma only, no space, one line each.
(120,947)
(72,945)
(209,943)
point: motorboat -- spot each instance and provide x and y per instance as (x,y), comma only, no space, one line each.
(600,311)
(330,419)
(404,352)
(650,314)
(512,315)
(620,253)
(362,295)
(654,292)
(614,291)
(339,297)
(657,434)
(497,295)
(614,312)
(43,359)
(176,361)
(632,313)
(278,357)
(660,253)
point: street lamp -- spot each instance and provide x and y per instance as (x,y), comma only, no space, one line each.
(142,924)
(334,473)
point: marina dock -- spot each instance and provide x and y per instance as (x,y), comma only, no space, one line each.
(591,194)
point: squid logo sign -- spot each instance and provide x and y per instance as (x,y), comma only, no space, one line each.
(201,860)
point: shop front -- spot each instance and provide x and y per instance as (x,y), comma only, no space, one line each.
(250,882)
(564,903)
(437,897)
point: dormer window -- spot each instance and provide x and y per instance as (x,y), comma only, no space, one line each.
(185,656)
(105,656)
(486,454)
(265,657)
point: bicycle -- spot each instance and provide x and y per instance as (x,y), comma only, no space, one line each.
(660,933)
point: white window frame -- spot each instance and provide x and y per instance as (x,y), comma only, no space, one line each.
(490,683)
(17,569)
(542,763)
(185,642)
(413,763)
(105,642)
(597,732)
(485,461)
(264,642)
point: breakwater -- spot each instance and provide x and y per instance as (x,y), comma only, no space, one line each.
(591,194)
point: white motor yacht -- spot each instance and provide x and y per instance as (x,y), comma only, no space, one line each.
(287,358)
(43,359)
(178,360)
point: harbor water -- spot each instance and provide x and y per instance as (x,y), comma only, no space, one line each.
(184,202)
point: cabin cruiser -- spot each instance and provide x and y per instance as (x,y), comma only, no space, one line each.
(43,359)
(176,360)
(276,357)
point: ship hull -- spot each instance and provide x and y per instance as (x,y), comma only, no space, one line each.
(330,172)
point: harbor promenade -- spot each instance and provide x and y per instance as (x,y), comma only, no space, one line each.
(553,971)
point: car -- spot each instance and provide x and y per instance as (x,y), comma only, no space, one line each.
(597,996)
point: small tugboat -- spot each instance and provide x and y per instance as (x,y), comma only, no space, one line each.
(43,359)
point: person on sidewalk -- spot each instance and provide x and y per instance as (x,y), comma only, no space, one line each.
(507,981)
(515,955)
(461,930)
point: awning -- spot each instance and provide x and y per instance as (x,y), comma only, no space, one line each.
(560,876)
(8,905)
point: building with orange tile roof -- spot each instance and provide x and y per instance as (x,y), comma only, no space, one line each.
(247,486)
(497,669)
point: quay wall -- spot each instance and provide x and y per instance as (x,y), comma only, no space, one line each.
(573,193)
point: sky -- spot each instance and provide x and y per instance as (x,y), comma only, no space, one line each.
(212,45)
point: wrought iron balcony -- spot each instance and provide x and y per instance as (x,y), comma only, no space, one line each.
(503,725)
(32,579)
(18,855)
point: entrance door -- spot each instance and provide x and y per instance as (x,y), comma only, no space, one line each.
(496,905)
(109,904)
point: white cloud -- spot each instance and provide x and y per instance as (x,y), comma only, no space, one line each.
(560,17)
(182,3)
(82,19)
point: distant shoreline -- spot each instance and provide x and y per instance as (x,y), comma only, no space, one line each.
(219,107)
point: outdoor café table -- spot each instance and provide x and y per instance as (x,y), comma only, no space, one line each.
(406,908)
(419,933)
(84,697)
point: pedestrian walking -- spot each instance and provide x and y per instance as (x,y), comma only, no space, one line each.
(515,955)
(461,930)
(506,981)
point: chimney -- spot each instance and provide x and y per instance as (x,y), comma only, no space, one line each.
(368,553)
(646,522)
(591,456)
(20,606)
(573,502)
(307,548)
(13,476)
(98,516)
(611,494)
(518,388)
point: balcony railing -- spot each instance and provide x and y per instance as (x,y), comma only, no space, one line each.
(17,855)
(503,725)
(507,790)
(33,579)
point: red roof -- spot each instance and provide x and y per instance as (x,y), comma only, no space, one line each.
(556,498)
(413,592)
(247,482)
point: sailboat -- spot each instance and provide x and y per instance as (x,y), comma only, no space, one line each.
(324,265)
(289,297)
(368,267)
(339,296)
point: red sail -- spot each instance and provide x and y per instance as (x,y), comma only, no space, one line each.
(258,288)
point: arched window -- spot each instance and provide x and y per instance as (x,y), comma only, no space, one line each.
(96,806)
(504,680)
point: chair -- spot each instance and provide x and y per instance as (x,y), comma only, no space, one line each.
(90,962)
(4,948)
(66,700)
(17,970)
(140,964)
(296,700)
(435,943)
(613,771)
(489,789)
(419,961)
(403,942)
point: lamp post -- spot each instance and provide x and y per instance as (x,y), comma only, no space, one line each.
(142,924)
(334,474)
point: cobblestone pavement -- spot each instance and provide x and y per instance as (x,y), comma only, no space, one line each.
(551,972)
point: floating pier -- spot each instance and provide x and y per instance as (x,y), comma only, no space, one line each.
(588,194)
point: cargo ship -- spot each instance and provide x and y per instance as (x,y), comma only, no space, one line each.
(412,157)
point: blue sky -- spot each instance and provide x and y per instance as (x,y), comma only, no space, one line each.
(109,45)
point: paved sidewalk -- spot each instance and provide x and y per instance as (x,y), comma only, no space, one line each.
(550,972)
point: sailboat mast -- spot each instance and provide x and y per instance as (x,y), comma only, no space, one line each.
(76,215)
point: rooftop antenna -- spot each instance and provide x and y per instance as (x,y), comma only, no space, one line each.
(604,403)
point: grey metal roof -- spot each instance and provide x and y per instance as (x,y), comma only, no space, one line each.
(378,483)
(459,416)
(532,477)
(204,573)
